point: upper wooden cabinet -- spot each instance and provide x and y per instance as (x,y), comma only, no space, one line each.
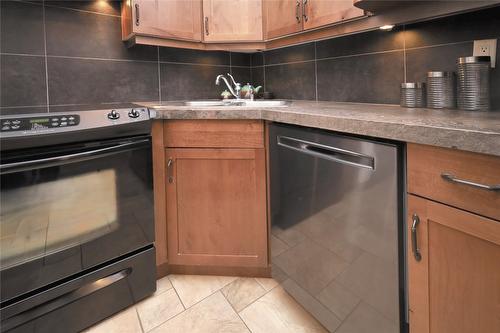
(175,19)
(232,21)
(317,13)
(285,17)
(282,17)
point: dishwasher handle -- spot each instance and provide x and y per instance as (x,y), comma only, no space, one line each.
(330,153)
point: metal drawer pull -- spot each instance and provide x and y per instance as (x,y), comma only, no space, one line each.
(453,179)
(297,13)
(206,26)
(169,170)
(414,244)
(137,18)
(304,10)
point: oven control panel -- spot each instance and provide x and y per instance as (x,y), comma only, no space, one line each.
(39,123)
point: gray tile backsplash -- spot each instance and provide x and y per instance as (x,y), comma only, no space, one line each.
(55,53)
(369,67)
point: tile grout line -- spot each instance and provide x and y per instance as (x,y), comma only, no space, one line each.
(159,74)
(404,53)
(45,57)
(180,299)
(266,292)
(264,69)
(139,318)
(237,313)
(316,70)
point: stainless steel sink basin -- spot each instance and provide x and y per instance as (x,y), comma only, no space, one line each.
(205,103)
(241,102)
(266,103)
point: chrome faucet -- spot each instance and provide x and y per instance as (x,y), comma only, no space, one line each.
(237,86)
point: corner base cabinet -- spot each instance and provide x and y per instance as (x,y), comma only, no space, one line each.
(216,197)
(453,254)
(216,207)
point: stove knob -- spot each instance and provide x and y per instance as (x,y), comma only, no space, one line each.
(113,115)
(134,113)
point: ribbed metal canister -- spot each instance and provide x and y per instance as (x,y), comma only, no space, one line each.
(412,95)
(441,90)
(473,74)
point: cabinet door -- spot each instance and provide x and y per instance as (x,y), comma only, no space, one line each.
(323,12)
(178,19)
(236,20)
(282,17)
(216,207)
(455,286)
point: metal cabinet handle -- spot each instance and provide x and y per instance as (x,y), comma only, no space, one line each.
(137,14)
(206,26)
(297,11)
(449,177)
(304,10)
(169,170)
(414,244)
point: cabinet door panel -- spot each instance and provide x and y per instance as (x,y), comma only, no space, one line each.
(323,12)
(283,17)
(456,285)
(236,20)
(178,19)
(216,207)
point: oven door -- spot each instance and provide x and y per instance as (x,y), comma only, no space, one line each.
(69,208)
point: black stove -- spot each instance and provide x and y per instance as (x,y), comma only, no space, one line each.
(77,227)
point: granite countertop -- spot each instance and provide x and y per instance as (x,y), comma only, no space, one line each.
(471,131)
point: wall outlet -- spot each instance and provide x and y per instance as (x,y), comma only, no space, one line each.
(486,47)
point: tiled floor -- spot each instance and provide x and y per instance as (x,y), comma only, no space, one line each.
(195,303)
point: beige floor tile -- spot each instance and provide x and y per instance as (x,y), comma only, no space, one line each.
(157,309)
(338,299)
(322,314)
(162,285)
(122,322)
(267,283)
(365,319)
(194,288)
(278,312)
(212,315)
(242,292)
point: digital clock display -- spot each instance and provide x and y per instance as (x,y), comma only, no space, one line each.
(39,121)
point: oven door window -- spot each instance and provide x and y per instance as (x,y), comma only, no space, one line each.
(60,218)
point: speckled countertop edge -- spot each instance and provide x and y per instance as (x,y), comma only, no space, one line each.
(470,131)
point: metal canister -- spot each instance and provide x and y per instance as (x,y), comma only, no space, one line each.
(473,75)
(441,90)
(412,95)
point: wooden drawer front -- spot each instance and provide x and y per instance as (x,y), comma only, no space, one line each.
(427,164)
(214,134)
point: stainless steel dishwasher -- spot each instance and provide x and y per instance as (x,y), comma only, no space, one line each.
(337,227)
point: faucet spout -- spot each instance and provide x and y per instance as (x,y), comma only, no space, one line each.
(236,91)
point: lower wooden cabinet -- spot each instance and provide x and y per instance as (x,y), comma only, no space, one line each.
(216,197)
(455,285)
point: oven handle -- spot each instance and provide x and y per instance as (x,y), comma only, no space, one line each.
(71,158)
